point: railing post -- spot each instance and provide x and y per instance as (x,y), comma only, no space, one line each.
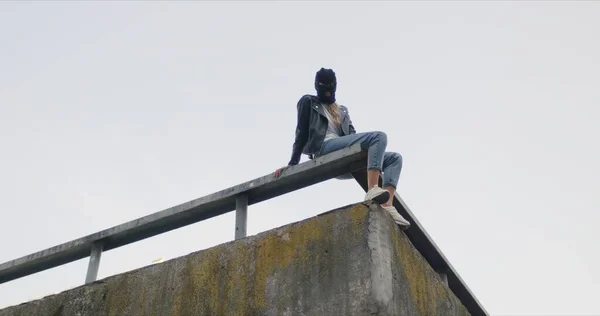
(94,264)
(241,215)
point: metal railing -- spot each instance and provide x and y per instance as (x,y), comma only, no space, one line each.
(345,161)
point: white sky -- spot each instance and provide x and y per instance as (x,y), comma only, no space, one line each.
(112,111)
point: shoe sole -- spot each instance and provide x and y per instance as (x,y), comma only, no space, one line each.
(403,226)
(382,197)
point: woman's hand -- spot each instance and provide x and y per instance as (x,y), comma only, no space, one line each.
(280,170)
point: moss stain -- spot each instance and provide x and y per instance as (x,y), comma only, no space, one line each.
(236,286)
(358,218)
(117,299)
(275,253)
(222,287)
(142,300)
(426,292)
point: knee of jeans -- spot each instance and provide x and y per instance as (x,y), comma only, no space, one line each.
(397,157)
(381,136)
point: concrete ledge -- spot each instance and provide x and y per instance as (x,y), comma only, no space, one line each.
(349,261)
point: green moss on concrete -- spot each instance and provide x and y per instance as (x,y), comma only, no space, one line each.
(276,250)
(358,217)
(117,295)
(222,280)
(429,294)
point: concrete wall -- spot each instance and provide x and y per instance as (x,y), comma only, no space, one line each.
(349,261)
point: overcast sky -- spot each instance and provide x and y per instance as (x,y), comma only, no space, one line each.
(111,111)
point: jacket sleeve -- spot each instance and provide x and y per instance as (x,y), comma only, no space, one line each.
(351,128)
(303,107)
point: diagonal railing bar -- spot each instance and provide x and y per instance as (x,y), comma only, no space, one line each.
(430,251)
(260,189)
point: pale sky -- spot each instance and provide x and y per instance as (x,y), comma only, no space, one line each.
(110,111)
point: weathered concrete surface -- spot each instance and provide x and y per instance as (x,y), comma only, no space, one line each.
(349,261)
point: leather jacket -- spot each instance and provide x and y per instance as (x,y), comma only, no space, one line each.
(312,126)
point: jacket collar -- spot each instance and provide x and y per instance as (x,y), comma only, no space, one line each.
(317,105)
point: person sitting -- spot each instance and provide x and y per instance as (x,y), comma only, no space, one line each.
(323,126)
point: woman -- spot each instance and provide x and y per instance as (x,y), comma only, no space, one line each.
(324,127)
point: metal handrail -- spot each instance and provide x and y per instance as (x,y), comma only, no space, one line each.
(351,160)
(234,198)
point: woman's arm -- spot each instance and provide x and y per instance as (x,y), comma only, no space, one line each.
(303,107)
(351,126)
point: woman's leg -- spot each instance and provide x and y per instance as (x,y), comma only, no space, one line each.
(374,142)
(392,166)
(378,160)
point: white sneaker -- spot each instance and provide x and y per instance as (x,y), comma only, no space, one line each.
(378,195)
(404,224)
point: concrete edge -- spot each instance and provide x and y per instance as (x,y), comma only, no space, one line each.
(378,240)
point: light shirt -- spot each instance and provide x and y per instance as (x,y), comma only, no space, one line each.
(333,131)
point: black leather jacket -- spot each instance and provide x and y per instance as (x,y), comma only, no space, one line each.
(312,126)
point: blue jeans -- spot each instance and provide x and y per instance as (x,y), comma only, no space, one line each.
(389,163)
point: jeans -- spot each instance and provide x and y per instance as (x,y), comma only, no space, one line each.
(389,163)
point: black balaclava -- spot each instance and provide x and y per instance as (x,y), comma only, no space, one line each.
(325,81)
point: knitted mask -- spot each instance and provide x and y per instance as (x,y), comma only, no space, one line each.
(325,81)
